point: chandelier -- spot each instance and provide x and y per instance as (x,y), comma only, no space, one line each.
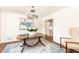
(32,15)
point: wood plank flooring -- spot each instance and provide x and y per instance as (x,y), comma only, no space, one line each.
(2,46)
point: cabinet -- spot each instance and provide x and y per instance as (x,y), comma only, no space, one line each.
(49,30)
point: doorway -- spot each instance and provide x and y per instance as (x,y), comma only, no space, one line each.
(49,30)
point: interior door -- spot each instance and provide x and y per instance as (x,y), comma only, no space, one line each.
(49,30)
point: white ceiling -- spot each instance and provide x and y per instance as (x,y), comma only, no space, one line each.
(40,10)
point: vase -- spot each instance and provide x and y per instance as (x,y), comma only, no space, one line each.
(32,33)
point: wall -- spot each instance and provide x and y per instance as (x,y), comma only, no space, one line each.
(63,20)
(38,24)
(10,25)
(0,26)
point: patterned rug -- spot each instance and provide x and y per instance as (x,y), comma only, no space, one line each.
(50,48)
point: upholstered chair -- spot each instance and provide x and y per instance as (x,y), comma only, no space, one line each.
(73,43)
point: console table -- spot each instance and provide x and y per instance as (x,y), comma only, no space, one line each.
(25,37)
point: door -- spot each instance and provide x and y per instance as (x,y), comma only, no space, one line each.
(49,30)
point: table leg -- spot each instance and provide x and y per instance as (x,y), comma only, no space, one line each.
(22,49)
(41,42)
(36,43)
(28,45)
(23,45)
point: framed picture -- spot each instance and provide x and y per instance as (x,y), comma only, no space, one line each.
(25,23)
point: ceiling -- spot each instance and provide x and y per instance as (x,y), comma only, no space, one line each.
(40,10)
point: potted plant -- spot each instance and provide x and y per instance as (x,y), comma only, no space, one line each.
(32,31)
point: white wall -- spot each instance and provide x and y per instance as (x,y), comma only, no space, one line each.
(63,20)
(38,24)
(0,26)
(9,25)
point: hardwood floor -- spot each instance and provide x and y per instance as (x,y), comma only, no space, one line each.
(2,46)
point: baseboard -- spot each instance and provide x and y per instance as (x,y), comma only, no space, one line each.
(9,42)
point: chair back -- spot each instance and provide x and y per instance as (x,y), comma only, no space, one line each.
(74,34)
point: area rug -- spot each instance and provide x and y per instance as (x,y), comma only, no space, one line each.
(50,48)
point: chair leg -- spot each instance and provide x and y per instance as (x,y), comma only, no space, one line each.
(60,43)
(66,47)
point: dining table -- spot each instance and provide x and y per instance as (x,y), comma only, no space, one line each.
(25,37)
